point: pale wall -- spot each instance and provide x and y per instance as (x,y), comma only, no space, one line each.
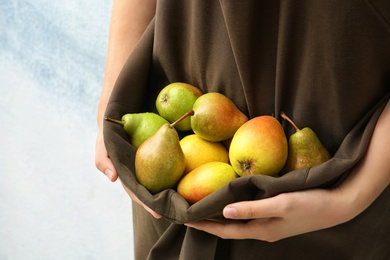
(54,204)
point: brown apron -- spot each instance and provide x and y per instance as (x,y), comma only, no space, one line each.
(326,63)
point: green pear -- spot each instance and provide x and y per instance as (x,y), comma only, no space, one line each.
(304,148)
(216,117)
(140,126)
(160,161)
(204,180)
(259,147)
(174,100)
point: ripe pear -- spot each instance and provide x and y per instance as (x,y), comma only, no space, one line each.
(140,126)
(160,161)
(216,117)
(204,180)
(304,148)
(259,147)
(198,151)
(174,100)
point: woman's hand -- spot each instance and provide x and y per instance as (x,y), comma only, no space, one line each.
(281,216)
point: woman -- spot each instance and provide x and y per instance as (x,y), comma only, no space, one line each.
(325,63)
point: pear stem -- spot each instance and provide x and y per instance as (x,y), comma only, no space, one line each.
(122,123)
(285,117)
(186,114)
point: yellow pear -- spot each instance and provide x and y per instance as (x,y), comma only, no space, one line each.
(259,147)
(198,151)
(205,180)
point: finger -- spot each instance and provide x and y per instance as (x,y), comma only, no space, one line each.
(238,230)
(261,229)
(135,199)
(265,208)
(153,213)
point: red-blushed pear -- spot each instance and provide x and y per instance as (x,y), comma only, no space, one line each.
(174,100)
(160,161)
(304,148)
(259,147)
(216,117)
(204,180)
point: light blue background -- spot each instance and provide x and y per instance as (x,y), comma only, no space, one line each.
(54,204)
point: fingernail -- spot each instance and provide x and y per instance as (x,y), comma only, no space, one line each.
(108,173)
(230,212)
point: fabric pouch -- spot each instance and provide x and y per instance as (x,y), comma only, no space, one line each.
(136,91)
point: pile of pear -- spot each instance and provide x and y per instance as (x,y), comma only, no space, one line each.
(220,143)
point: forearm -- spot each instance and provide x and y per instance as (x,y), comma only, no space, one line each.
(129,19)
(372,174)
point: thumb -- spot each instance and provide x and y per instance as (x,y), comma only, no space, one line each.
(105,165)
(103,162)
(135,199)
(110,171)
